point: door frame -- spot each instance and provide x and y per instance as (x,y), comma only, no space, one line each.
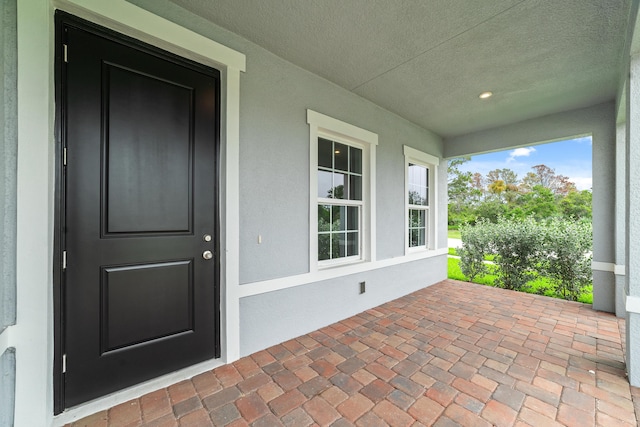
(145,28)
(64,20)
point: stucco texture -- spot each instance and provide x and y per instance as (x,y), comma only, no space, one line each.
(8,159)
(274,154)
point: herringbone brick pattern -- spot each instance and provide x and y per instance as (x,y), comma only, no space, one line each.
(453,354)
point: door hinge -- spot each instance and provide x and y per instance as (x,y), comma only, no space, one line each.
(64,260)
(64,156)
(64,52)
(64,363)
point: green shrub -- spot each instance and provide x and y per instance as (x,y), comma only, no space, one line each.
(517,247)
(567,248)
(475,244)
(550,257)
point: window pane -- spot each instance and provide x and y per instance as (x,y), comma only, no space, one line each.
(338,245)
(355,190)
(418,179)
(413,238)
(424,197)
(339,177)
(353,244)
(324,218)
(417,218)
(417,237)
(417,227)
(355,160)
(414,195)
(325,153)
(352,218)
(325,184)
(417,175)
(324,247)
(338,218)
(339,181)
(341,157)
(414,174)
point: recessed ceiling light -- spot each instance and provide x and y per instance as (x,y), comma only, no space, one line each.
(485,95)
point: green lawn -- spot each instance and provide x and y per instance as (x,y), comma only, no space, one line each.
(453,234)
(452,251)
(540,286)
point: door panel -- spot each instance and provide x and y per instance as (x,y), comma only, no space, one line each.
(145,302)
(144,135)
(141,189)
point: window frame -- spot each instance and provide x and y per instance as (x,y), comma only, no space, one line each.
(345,202)
(419,158)
(322,126)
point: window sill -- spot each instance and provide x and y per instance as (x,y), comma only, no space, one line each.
(343,262)
(417,250)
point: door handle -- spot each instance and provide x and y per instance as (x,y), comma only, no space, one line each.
(207,255)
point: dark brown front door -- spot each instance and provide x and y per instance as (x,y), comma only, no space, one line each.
(140,298)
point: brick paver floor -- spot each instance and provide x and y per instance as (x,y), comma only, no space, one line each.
(453,354)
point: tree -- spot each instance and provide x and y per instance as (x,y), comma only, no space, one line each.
(478,183)
(497,187)
(577,204)
(528,182)
(565,187)
(459,182)
(459,191)
(511,193)
(491,210)
(503,184)
(558,184)
(539,203)
(506,175)
(546,176)
(541,193)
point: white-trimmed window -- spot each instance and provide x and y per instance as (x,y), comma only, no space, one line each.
(342,158)
(420,196)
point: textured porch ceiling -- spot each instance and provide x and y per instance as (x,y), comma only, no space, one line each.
(428,60)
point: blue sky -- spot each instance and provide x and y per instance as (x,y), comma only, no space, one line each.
(571,158)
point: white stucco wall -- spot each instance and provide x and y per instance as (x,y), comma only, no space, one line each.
(266,175)
(8,199)
(620,220)
(274,153)
(632,223)
(8,160)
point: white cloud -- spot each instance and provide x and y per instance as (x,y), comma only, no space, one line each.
(584,140)
(582,183)
(520,152)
